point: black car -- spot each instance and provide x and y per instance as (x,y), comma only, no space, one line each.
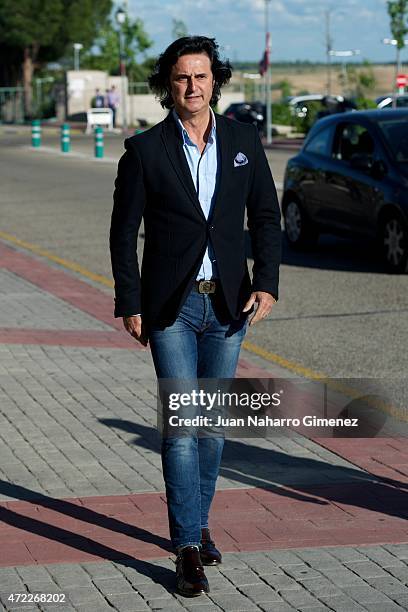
(254,113)
(351,177)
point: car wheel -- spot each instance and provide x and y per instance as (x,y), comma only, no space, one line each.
(299,231)
(394,243)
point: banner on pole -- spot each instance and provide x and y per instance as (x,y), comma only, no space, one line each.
(264,63)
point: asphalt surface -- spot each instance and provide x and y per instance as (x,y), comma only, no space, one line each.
(339,313)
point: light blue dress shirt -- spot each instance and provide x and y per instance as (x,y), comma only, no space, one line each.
(204,172)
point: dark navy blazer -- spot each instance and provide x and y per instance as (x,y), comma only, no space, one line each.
(154,182)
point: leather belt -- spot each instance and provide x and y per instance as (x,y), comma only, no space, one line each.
(206,286)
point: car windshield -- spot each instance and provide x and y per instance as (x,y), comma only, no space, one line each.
(396,135)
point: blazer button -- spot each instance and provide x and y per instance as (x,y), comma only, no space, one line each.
(211,228)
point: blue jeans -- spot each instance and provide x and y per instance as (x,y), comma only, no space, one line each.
(201,343)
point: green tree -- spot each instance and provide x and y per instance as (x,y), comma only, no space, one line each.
(179,29)
(286,88)
(136,42)
(25,29)
(33,32)
(367,78)
(398,12)
(140,72)
(360,81)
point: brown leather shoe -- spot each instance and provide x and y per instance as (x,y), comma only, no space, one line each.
(191,579)
(208,553)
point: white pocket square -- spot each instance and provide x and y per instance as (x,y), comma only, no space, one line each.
(240,160)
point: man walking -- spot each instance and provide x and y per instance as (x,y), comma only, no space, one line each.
(191,177)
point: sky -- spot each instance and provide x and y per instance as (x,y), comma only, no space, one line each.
(297,26)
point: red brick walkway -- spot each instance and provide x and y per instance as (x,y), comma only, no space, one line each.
(46,530)
(95,528)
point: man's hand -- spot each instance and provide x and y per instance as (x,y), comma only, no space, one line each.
(134,326)
(264,302)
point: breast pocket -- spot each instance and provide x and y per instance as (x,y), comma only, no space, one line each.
(241,169)
(240,176)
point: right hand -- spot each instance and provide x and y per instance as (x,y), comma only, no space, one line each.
(135,328)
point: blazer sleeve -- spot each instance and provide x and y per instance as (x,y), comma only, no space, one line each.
(264,224)
(129,200)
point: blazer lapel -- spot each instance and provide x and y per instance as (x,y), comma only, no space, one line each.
(224,143)
(174,147)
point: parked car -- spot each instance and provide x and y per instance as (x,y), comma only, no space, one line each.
(385,102)
(299,105)
(247,113)
(351,178)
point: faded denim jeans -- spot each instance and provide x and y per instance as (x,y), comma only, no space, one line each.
(199,344)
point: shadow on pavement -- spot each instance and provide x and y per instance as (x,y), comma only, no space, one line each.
(379,494)
(331,253)
(384,495)
(80,542)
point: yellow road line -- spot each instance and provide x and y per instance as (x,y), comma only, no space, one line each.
(332,383)
(285,363)
(70,265)
(248,346)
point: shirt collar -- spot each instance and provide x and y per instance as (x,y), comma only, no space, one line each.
(184,133)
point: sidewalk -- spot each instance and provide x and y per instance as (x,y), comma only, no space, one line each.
(303,525)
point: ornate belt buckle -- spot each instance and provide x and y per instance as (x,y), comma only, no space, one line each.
(206,286)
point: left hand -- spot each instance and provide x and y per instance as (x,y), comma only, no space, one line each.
(264,302)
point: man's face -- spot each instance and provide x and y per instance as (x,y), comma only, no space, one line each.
(191,82)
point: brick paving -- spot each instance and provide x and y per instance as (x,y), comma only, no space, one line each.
(303,524)
(305,579)
(48,530)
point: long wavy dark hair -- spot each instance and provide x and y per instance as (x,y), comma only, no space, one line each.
(159,80)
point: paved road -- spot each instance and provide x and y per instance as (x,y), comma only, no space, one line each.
(339,313)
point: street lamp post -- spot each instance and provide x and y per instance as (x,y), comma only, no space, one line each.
(121,19)
(268,76)
(251,76)
(77,49)
(329,44)
(347,53)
